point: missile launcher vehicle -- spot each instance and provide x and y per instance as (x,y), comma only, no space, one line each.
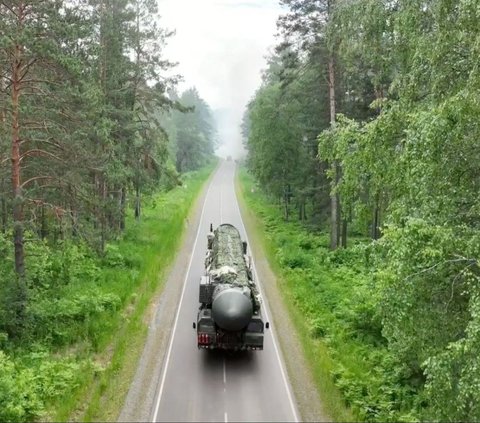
(229,317)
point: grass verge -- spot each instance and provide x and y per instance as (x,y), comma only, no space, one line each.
(256,209)
(329,297)
(150,247)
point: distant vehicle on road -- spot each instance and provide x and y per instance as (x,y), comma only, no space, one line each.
(229,158)
(229,316)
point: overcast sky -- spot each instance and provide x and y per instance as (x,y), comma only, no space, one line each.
(221,47)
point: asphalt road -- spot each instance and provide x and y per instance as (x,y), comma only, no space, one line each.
(200,385)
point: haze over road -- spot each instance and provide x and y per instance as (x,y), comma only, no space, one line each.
(209,385)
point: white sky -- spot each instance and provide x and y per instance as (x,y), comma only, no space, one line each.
(221,47)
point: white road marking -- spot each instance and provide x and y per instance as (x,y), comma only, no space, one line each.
(162,384)
(284,377)
(221,207)
(224,371)
(225,388)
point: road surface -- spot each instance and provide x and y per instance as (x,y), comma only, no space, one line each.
(200,385)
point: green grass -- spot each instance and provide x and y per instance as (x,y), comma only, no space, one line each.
(331,299)
(140,262)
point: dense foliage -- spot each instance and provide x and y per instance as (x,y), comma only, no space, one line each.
(329,296)
(84,312)
(401,158)
(86,101)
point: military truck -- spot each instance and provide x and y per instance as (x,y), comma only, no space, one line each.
(229,316)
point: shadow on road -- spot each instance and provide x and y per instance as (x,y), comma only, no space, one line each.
(241,361)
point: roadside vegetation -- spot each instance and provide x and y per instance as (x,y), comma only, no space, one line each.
(364,134)
(84,318)
(331,297)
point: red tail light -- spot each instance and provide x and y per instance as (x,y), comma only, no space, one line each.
(203,338)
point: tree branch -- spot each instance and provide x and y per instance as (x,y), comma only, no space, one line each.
(37,178)
(59,211)
(457,260)
(52,143)
(38,152)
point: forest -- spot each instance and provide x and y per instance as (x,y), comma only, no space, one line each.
(362,142)
(93,137)
(364,133)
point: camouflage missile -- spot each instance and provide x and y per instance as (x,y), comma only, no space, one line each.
(232,308)
(226,263)
(232,301)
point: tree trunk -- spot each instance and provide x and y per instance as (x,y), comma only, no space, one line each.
(123,200)
(344,233)
(301,210)
(103,219)
(15,156)
(376,218)
(376,207)
(335,213)
(111,214)
(4,214)
(335,198)
(286,201)
(335,231)
(96,207)
(43,224)
(137,202)
(3,198)
(74,217)
(331,88)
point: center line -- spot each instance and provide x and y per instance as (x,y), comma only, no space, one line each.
(221,208)
(224,371)
(226,417)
